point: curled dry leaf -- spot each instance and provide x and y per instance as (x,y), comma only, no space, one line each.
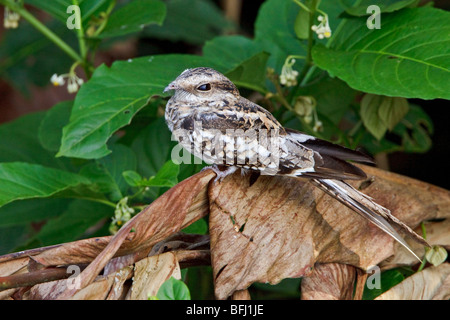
(150,273)
(280,227)
(430,283)
(330,281)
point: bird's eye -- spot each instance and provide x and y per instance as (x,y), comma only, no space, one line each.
(204,87)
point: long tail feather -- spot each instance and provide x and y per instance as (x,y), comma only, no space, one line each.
(366,207)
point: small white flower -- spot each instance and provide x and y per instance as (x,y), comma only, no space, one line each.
(73,81)
(323,30)
(318,126)
(72,86)
(57,80)
(288,75)
(11,20)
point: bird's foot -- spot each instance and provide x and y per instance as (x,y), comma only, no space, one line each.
(220,175)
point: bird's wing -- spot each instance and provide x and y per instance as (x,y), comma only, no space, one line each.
(243,114)
(330,160)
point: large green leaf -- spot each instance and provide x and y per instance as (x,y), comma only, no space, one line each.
(274,31)
(31,210)
(193,21)
(73,222)
(113,96)
(359,7)
(106,172)
(408,57)
(19,180)
(24,146)
(133,17)
(50,129)
(152,147)
(332,95)
(243,56)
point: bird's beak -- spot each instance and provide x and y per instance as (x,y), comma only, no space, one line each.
(171,86)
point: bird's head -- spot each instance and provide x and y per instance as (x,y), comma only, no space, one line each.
(201,85)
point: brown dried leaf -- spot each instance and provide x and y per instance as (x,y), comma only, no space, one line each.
(117,290)
(430,283)
(330,281)
(150,273)
(97,290)
(47,290)
(279,227)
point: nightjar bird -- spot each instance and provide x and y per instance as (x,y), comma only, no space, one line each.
(210,119)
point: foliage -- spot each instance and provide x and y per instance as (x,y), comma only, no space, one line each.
(107,152)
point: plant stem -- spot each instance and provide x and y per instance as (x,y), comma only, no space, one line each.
(82,42)
(42,28)
(105,18)
(308,60)
(302,5)
(105,202)
(424,235)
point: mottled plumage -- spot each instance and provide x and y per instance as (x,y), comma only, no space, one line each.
(210,119)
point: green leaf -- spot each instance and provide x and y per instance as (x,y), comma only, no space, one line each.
(301,24)
(192,21)
(153,147)
(11,237)
(436,255)
(50,129)
(385,6)
(24,145)
(392,110)
(198,227)
(58,9)
(31,210)
(333,97)
(73,222)
(133,178)
(413,133)
(243,57)
(274,31)
(173,289)
(133,17)
(166,176)
(106,173)
(110,99)
(251,73)
(408,57)
(121,159)
(20,180)
(387,280)
(370,107)
(415,130)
